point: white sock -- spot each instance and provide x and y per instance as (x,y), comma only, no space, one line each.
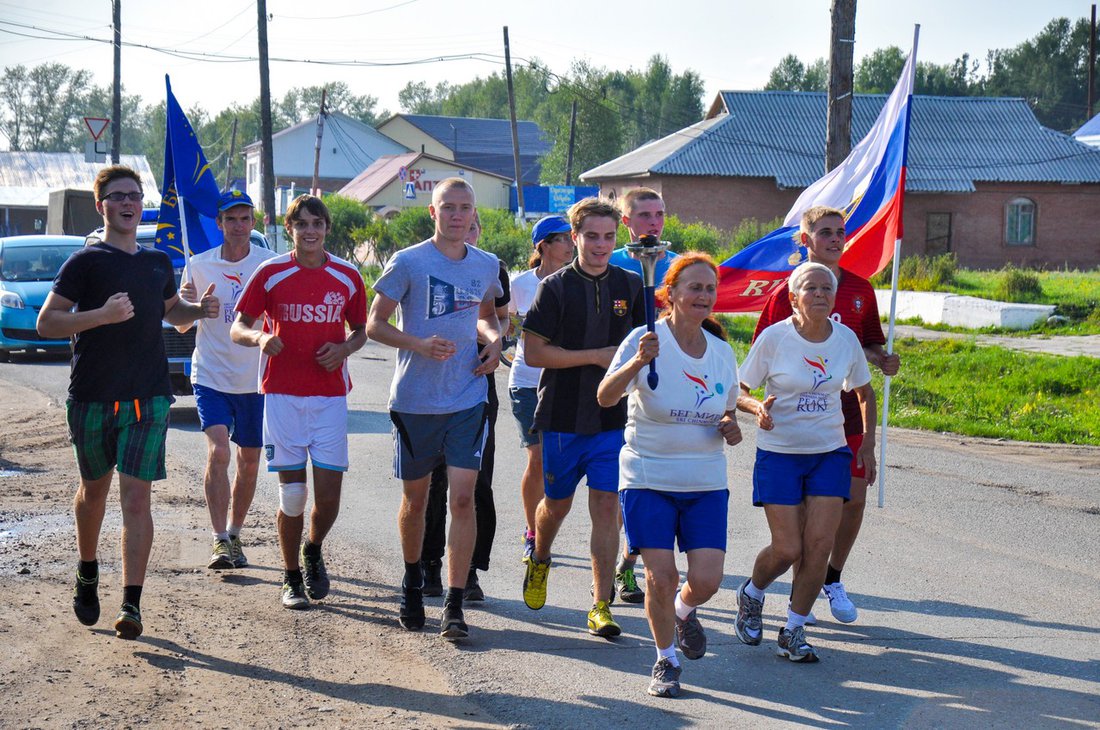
(220,535)
(794,620)
(669,653)
(235,530)
(683,610)
(753,592)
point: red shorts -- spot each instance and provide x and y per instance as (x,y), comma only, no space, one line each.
(854,442)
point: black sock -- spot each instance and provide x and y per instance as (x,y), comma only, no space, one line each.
(454,597)
(87,569)
(292,576)
(311,549)
(832,575)
(414,575)
(132,595)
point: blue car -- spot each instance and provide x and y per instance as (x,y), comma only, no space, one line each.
(28,265)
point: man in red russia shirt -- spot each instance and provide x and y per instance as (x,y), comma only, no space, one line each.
(822,233)
(312,300)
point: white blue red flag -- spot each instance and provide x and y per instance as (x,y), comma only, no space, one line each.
(869,186)
(189,190)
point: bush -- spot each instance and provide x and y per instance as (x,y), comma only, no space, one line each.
(503,237)
(921,273)
(1017,285)
(348,216)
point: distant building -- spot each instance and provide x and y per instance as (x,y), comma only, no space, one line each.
(27,178)
(406,181)
(984,179)
(347,148)
(1089,133)
(483,144)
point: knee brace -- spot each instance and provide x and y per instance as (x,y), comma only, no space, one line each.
(292,499)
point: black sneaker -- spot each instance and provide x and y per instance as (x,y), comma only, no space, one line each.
(412,608)
(86,600)
(315,575)
(473,591)
(236,550)
(665,680)
(128,624)
(221,555)
(294,597)
(626,585)
(433,578)
(691,637)
(453,625)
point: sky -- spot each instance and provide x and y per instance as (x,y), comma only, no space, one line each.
(730,44)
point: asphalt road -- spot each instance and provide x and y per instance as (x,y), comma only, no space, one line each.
(977,587)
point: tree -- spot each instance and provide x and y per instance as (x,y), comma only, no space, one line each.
(304,102)
(41,107)
(790,74)
(348,216)
(419,98)
(878,73)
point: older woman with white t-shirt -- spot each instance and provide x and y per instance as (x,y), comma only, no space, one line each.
(672,469)
(553,246)
(803,464)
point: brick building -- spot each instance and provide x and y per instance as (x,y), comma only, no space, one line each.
(984,179)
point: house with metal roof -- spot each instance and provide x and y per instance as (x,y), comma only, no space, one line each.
(483,144)
(28,178)
(984,179)
(347,148)
(1089,133)
(396,182)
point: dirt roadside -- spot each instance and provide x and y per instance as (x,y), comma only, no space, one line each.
(218,649)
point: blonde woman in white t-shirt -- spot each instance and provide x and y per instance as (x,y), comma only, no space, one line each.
(672,469)
(803,465)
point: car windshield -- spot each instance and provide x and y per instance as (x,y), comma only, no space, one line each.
(34,263)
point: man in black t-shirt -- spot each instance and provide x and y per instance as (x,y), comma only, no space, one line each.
(573,328)
(111,297)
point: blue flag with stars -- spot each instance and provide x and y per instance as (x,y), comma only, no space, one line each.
(189,189)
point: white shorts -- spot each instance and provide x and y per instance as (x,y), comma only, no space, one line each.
(297,426)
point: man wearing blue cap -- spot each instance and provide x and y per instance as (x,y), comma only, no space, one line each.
(225,377)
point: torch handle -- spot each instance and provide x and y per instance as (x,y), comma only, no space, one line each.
(650,323)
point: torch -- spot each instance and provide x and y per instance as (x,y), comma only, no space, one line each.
(647,249)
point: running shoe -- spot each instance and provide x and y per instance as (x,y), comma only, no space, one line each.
(294,597)
(473,590)
(433,577)
(690,636)
(626,585)
(315,575)
(749,623)
(221,556)
(86,600)
(453,624)
(534,583)
(128,623)
(600,621)
(842,607)
(666,679)
(792,644)
(528,546)
(236,551)
(411,615)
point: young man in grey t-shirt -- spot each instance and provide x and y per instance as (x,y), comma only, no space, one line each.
(446,290)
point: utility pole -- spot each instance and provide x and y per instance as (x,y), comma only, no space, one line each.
(315,189)
(116,97)
(572,136)
(838,139)
(229,159)
(267,155)
(1092,66)
(515,133)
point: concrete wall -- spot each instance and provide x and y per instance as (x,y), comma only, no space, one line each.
(960,311)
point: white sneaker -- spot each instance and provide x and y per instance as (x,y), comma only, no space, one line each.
(842,607)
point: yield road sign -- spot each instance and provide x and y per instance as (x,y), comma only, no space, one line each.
(96,125)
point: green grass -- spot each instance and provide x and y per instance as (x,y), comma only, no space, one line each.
(1063,288)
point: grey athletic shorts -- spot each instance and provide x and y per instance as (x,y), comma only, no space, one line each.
(423,441)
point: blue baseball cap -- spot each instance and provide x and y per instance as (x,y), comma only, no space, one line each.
(231,198)
(547,227)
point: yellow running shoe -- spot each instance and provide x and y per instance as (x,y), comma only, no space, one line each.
(534,583)
(600,621)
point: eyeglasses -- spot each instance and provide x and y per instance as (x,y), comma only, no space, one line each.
(118,197)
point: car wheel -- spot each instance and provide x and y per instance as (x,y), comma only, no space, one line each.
(5,356)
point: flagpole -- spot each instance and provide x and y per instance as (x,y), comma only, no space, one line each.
(186,245)
(893,313)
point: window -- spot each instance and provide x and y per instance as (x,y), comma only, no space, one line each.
(1020,222)
(937,236)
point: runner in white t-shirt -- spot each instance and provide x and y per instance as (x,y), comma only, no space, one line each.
(553,250)
(225,379)
(803,463)
(672,469)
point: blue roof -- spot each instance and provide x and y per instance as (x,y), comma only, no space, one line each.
(1089,128)
(954,142)
(486,144)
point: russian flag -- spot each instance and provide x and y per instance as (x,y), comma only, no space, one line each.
(869,186)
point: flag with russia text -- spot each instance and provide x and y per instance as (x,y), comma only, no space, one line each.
(189,190)
(869,186)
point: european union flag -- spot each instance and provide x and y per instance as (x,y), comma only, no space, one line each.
(189,190)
